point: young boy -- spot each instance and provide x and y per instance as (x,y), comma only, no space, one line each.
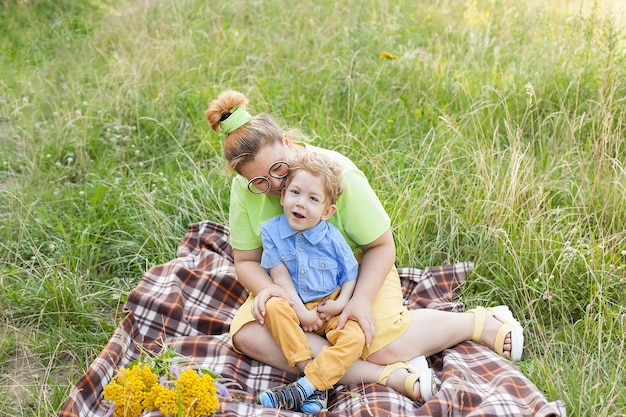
(309,258)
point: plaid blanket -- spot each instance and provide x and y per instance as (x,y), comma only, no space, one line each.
(190,301)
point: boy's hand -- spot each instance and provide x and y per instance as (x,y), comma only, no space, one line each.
(330,308)
(309,320)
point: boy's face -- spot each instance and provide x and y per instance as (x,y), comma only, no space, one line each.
(304,201)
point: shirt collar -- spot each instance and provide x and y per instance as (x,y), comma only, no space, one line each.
(313,235)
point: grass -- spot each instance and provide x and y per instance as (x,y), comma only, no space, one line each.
(492,130)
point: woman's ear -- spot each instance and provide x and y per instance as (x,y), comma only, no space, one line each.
(330,210)
(286,140)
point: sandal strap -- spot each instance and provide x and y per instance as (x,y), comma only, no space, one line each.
(505,328)
(388,370)
(409,384)
(480,317)
(409,381)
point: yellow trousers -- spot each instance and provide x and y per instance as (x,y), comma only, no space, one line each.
(392,317)
(325,370)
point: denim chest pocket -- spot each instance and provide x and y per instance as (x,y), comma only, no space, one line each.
(327,269)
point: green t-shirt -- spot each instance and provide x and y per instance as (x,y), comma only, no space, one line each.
(360,216)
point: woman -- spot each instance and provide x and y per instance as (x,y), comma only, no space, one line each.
(260,152)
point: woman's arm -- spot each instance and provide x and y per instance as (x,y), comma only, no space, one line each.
(378,259)
(256,280)
(249,270)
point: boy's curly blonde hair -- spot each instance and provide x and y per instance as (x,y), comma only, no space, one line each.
(320,165)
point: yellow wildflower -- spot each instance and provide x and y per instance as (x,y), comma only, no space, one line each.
(129,390)
(387,55)
(166,400)
(159,385)
(195,394)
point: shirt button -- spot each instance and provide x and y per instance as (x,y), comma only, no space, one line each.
(299,235)
(302,272)
(323,265)
(300,249)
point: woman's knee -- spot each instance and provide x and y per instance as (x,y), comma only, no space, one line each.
(246,340)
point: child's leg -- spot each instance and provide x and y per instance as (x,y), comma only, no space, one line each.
(282,321)
(308,394)
(332,362)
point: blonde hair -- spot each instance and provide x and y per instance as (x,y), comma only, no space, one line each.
(319,165)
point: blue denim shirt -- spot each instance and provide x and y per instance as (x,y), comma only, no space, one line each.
(319,259)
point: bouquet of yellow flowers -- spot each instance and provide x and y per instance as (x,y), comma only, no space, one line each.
(161,382)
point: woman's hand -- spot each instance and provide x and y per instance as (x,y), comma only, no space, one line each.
(377,261)
(258,306)
(360,310)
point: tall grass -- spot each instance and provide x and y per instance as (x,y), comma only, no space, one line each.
(492,130)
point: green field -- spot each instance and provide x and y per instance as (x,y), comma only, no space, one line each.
(493,131)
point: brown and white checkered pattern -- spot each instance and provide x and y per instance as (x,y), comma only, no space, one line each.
(190,301)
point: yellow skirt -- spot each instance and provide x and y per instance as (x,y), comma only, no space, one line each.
(392,317)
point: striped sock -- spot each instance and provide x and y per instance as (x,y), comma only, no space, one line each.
(307,385)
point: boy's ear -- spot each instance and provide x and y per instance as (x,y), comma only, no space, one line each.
(330,210)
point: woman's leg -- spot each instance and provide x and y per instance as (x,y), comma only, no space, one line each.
(257,342)
(432,331)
